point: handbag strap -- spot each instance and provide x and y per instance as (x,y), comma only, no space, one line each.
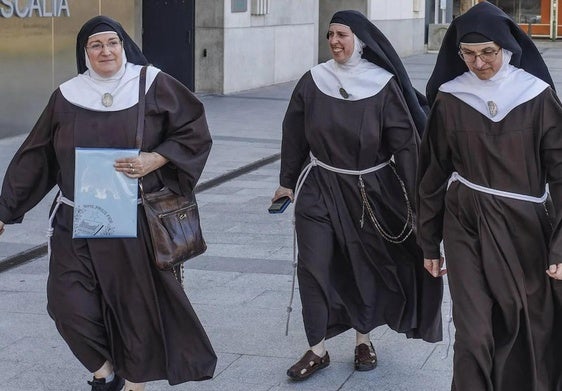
(140,119)
(140,114)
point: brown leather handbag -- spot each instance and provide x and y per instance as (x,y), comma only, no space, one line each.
(173,219)
(175,230)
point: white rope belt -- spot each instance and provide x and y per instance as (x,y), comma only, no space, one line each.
(300,181)
(516,196)
(315,162)
(60,200)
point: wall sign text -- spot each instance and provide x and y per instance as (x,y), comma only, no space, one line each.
(29,8)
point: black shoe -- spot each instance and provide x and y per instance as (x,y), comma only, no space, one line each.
(365,357)
(308,365)
(100,385)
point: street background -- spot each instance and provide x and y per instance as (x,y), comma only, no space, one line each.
(240,287)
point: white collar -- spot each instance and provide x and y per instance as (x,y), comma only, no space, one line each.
(496,97)
(86,90)
(356,79)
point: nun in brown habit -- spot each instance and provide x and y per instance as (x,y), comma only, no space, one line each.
(122,318)
(492,144)
(356,119)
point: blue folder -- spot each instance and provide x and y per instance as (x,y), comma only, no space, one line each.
(105,201)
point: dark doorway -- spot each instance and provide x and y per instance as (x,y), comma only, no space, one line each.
(168,37)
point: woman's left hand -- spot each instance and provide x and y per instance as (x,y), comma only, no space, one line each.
(141,165)
(435,266)
(555,271)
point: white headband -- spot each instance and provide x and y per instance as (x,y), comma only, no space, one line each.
(103,32)
(475,43)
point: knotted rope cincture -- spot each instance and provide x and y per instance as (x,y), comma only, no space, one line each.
(455,176)
(59,200)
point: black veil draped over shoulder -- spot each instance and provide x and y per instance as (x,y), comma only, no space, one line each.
(486,19)
(380,52)
(133,52)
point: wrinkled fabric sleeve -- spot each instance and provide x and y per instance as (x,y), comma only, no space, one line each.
(186,140)
(294,146)
(551,154)
(401,138)
(434,170)
(33,170)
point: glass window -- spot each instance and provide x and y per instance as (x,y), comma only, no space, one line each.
(522,11)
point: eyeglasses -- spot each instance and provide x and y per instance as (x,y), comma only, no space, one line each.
(488,55)
(97,47)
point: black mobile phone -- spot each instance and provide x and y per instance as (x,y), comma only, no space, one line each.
(279,205)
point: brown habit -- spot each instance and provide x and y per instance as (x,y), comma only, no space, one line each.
(107,300)
(497,248)
(349,277)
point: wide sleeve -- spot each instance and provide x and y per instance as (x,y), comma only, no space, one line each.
(185,140)
(434,170)
(400,137)
(551,154)
(294,146)
(33,170)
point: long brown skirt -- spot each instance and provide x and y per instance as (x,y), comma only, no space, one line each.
(110,303)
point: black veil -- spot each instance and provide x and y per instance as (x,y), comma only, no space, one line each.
(380,52)
(486,19)
(133,52)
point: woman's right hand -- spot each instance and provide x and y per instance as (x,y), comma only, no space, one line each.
(1,227)
(282,192)
(139,166)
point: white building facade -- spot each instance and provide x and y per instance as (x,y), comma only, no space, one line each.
(248,44)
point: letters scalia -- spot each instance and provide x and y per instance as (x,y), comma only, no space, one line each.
(29,8)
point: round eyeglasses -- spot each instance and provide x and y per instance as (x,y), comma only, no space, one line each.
(97,47)
(485,56)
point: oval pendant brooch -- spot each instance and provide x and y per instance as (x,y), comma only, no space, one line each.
(492,108)
(107,99)
(344,93)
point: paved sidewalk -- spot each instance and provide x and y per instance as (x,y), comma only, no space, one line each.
(240,287)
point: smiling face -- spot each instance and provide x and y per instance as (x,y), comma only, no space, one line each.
(491,52)
(105,52)
(341,41)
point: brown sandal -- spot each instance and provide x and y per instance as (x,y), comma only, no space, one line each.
(307,365)
(365,357)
